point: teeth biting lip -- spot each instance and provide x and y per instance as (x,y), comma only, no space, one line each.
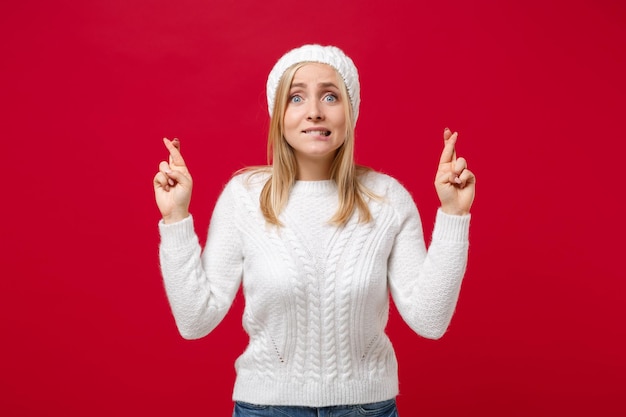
(320,132)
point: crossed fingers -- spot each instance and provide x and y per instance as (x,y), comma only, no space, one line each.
(458,166)
(173,171)
(173,146)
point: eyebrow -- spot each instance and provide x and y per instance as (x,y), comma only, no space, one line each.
(323,85)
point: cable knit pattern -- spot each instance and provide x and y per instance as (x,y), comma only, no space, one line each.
(317,296)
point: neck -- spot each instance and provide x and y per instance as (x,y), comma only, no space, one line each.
(313,170)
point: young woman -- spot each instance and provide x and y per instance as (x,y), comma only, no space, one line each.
(318,243)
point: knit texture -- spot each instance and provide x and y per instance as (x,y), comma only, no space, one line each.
(317,295)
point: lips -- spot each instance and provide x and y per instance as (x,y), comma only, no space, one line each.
(317,132)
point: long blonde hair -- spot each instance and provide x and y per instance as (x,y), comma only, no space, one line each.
(353,194)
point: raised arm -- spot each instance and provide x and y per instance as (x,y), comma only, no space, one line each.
(425,283)
(200,285)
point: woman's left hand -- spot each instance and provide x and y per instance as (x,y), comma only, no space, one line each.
(455,184)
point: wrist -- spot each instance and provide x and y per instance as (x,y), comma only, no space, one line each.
(175,217)
(454,211)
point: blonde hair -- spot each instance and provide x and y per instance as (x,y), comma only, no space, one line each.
(352,193)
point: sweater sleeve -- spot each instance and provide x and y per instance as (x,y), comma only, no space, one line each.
(201,284)
(425,283)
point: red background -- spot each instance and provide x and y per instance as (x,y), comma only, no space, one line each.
(88,89)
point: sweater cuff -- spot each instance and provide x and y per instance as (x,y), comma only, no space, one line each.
(451,228)
(179,234)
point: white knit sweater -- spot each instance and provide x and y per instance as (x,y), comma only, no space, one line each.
(317,296)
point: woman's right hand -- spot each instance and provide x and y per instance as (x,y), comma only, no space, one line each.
(173,185)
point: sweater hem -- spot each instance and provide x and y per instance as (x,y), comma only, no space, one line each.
(257,390)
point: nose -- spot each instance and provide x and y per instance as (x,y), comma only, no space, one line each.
(315,111)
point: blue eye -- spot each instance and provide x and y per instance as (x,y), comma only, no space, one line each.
(296,99)
(330,98)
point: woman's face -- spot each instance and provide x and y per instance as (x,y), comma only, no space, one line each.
(315,117)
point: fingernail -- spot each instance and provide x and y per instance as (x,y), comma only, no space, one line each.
(447,129)
(170,182)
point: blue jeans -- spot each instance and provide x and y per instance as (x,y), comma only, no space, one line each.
(379,409)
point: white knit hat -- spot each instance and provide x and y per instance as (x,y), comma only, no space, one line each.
(330,55)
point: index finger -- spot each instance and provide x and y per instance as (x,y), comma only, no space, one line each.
(449,153)
(173,146)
